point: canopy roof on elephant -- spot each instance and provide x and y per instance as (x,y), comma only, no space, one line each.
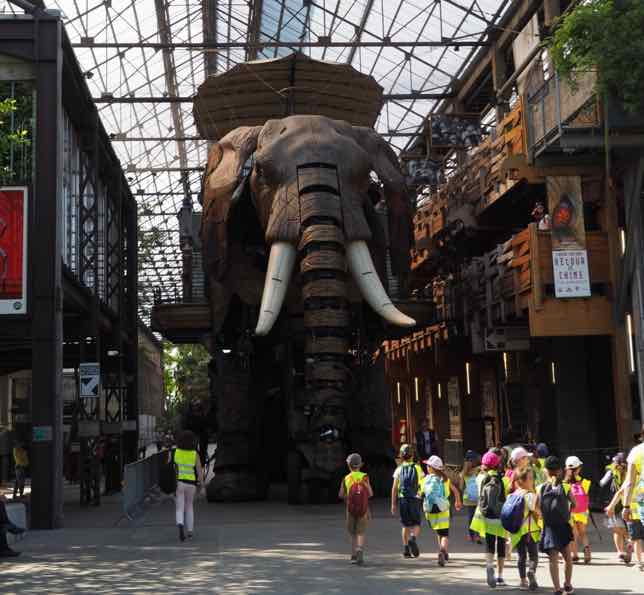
(251,93)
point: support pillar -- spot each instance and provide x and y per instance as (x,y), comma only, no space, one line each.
(47,297)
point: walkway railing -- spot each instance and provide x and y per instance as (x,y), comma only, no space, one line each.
(141,484)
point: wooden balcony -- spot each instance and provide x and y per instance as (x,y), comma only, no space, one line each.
(182,322)
(515,282)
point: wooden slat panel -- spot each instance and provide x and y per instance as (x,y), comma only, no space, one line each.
(325,288)
(327,317)
(320,204)
(326,345)
(323,259)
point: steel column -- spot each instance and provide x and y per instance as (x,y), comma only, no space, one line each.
(46,271)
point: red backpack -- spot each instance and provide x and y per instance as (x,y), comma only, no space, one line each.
(358,499)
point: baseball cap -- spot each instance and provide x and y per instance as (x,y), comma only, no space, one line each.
(471,456)
(354,460)
(573,462)
(434,462)
(491,459)
(518,454)
(553,463)
(619,458)
(542,450)
(405,450)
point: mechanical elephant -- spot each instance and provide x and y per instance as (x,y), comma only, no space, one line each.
(298,193)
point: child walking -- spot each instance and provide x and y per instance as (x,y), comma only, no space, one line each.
(437,489)
(612,481)
(525,540)
(556,503)
(355,490)
(635,526)
(487,517)
(405,496)
(470,489)
(580,491)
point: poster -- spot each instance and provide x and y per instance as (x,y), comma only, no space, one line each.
(454,405)
(569,255)
(13,250)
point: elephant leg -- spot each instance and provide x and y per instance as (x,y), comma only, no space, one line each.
(238,474)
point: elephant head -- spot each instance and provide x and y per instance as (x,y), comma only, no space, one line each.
(308,184)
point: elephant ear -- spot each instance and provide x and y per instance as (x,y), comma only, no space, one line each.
(385,164)
(222,177)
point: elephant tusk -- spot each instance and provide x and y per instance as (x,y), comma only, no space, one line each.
(280,267)
(365,275)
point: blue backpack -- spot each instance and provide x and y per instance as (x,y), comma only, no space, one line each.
(434,494)
(512,513)
(408,481)
(471,489)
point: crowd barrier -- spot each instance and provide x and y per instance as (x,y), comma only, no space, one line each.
(141,484)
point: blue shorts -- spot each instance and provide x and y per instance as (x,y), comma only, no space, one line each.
(410,511)
(636,530)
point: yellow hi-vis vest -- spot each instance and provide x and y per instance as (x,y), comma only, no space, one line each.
(185,460)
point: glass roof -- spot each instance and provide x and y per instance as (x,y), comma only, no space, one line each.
(157,141)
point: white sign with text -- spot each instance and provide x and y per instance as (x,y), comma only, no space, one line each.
(571,275)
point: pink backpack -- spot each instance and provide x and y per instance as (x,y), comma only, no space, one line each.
(582,500)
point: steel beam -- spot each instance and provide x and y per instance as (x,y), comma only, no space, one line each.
(209,19)
(358,36)
(244,45)
(175,99)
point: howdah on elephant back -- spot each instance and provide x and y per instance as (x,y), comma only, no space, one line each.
(296,193)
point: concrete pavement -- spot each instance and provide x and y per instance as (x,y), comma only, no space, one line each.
(264,548)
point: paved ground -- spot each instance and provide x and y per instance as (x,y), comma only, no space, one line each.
(261,548)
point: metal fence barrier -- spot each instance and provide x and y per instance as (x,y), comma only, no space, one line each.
(141,484)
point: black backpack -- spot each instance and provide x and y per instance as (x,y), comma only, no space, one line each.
(555,504)
(492,497)
(408,481)
(168,474)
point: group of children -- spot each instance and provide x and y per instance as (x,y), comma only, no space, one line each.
(524,502)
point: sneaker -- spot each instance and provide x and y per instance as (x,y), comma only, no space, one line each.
(188,535)
(532,581)
(413,547)
(569,589)
(491,581)
(15,530)
(441,558)
(406,552)
(524,586)
(641,566)
(575,559)
(8,553)
(560,592)
(446,556)
(500,582)
(359,558)
(182,534)
(353,558)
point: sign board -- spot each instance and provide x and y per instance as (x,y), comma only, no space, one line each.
(569,256)
(571,275)
(507,338)
(454,408)
(42,433)
(13,250)
(89,380)
(89,429)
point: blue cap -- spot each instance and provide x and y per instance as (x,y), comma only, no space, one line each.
(542,450)
(471,456)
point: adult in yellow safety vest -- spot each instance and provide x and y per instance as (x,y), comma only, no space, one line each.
(189,478)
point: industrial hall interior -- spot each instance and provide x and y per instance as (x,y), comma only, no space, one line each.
(284,280)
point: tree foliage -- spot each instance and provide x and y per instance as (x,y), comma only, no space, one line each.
(15,141)
(607,36)
(185,375)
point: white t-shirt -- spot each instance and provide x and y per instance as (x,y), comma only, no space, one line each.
(636,457)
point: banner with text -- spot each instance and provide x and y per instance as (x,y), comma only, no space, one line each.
(569,255)
(13,250)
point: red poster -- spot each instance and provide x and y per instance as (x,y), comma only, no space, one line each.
(13,250)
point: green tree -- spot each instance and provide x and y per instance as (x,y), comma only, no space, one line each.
(606,36)
(185,376)
(14,136)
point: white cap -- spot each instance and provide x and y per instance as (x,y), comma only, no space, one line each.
(519,453)
(573,462)
(434,462)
